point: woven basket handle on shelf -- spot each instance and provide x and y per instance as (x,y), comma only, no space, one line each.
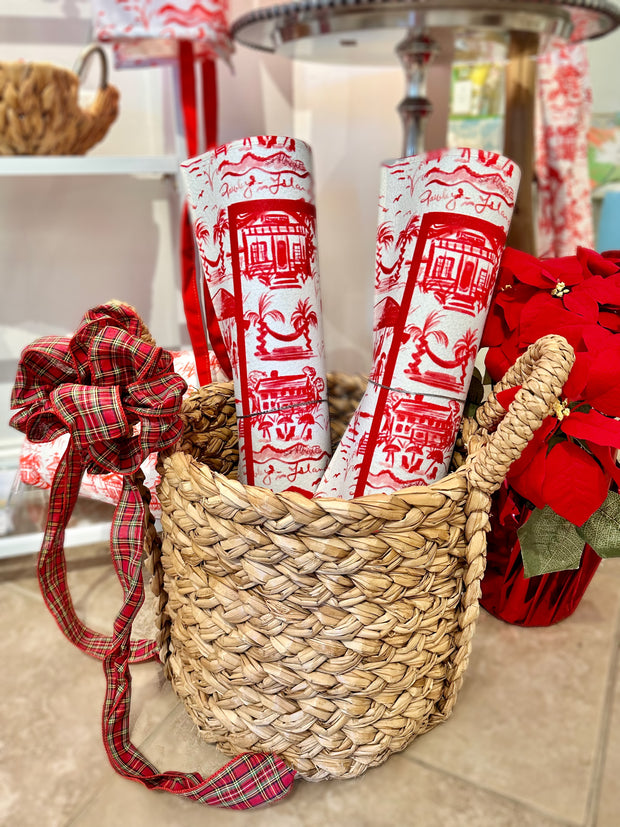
(81,64)
(542,372)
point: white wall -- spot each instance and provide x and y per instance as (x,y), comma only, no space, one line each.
(348,114)
(604,57)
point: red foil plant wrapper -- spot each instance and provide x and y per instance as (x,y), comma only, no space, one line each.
(507,593)
(443,221)
(252,204)
(564,476)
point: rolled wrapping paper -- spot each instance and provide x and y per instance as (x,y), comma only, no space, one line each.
(252,206)
(443,221)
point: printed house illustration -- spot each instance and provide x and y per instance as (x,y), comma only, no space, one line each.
(288,403)
(274,247)
(276,391)
(459,268)
(414,424)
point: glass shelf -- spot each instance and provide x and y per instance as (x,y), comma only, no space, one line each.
(23,511)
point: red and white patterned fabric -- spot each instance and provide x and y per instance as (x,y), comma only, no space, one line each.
(39,460)
(564,104)
(443,220)
(252,204)
(146,32)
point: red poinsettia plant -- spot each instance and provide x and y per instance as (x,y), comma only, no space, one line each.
(567,470)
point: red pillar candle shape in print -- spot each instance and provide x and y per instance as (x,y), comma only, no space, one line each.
(443,221)
(252,206)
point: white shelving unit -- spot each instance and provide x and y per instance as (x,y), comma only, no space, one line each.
(19,544)
(138,165)
(55,32)
(166,166)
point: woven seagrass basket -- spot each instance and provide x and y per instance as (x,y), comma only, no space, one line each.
(326,631)
(40,113)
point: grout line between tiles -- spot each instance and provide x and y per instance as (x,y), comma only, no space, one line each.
(561,822)
(23,590)
(85,803)
(593,802)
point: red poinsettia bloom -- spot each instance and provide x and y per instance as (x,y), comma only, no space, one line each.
(570,462)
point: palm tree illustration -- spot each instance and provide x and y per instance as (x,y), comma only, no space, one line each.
(219,230)
(307,221)
(260,320)
(203,234)
(410,232)
(422,337)
(302,317)
(465,351)
(307,420)
(405,237)
(265,423)
(385,237)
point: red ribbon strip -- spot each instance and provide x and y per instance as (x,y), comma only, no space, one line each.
(98,386)
(192,282)
(119,399)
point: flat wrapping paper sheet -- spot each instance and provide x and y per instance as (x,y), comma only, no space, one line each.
(38,460)
(146,32)
(443,221)
(252,205)
(564,104)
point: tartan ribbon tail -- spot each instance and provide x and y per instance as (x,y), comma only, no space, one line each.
(250,779)
(52,566)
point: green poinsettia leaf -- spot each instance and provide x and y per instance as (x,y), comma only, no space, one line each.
(602,529)
(549,543)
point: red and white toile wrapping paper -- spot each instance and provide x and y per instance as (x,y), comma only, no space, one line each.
(443,221)
(252,205)
(564,103)
(146,32)
(38,460)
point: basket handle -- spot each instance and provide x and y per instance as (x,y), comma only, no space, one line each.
(84,59)
(542,372)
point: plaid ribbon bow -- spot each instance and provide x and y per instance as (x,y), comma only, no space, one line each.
(118,397)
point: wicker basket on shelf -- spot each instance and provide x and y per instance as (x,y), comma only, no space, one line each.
(40,113)
(326,631)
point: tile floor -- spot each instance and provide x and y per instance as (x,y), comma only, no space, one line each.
(534,740)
